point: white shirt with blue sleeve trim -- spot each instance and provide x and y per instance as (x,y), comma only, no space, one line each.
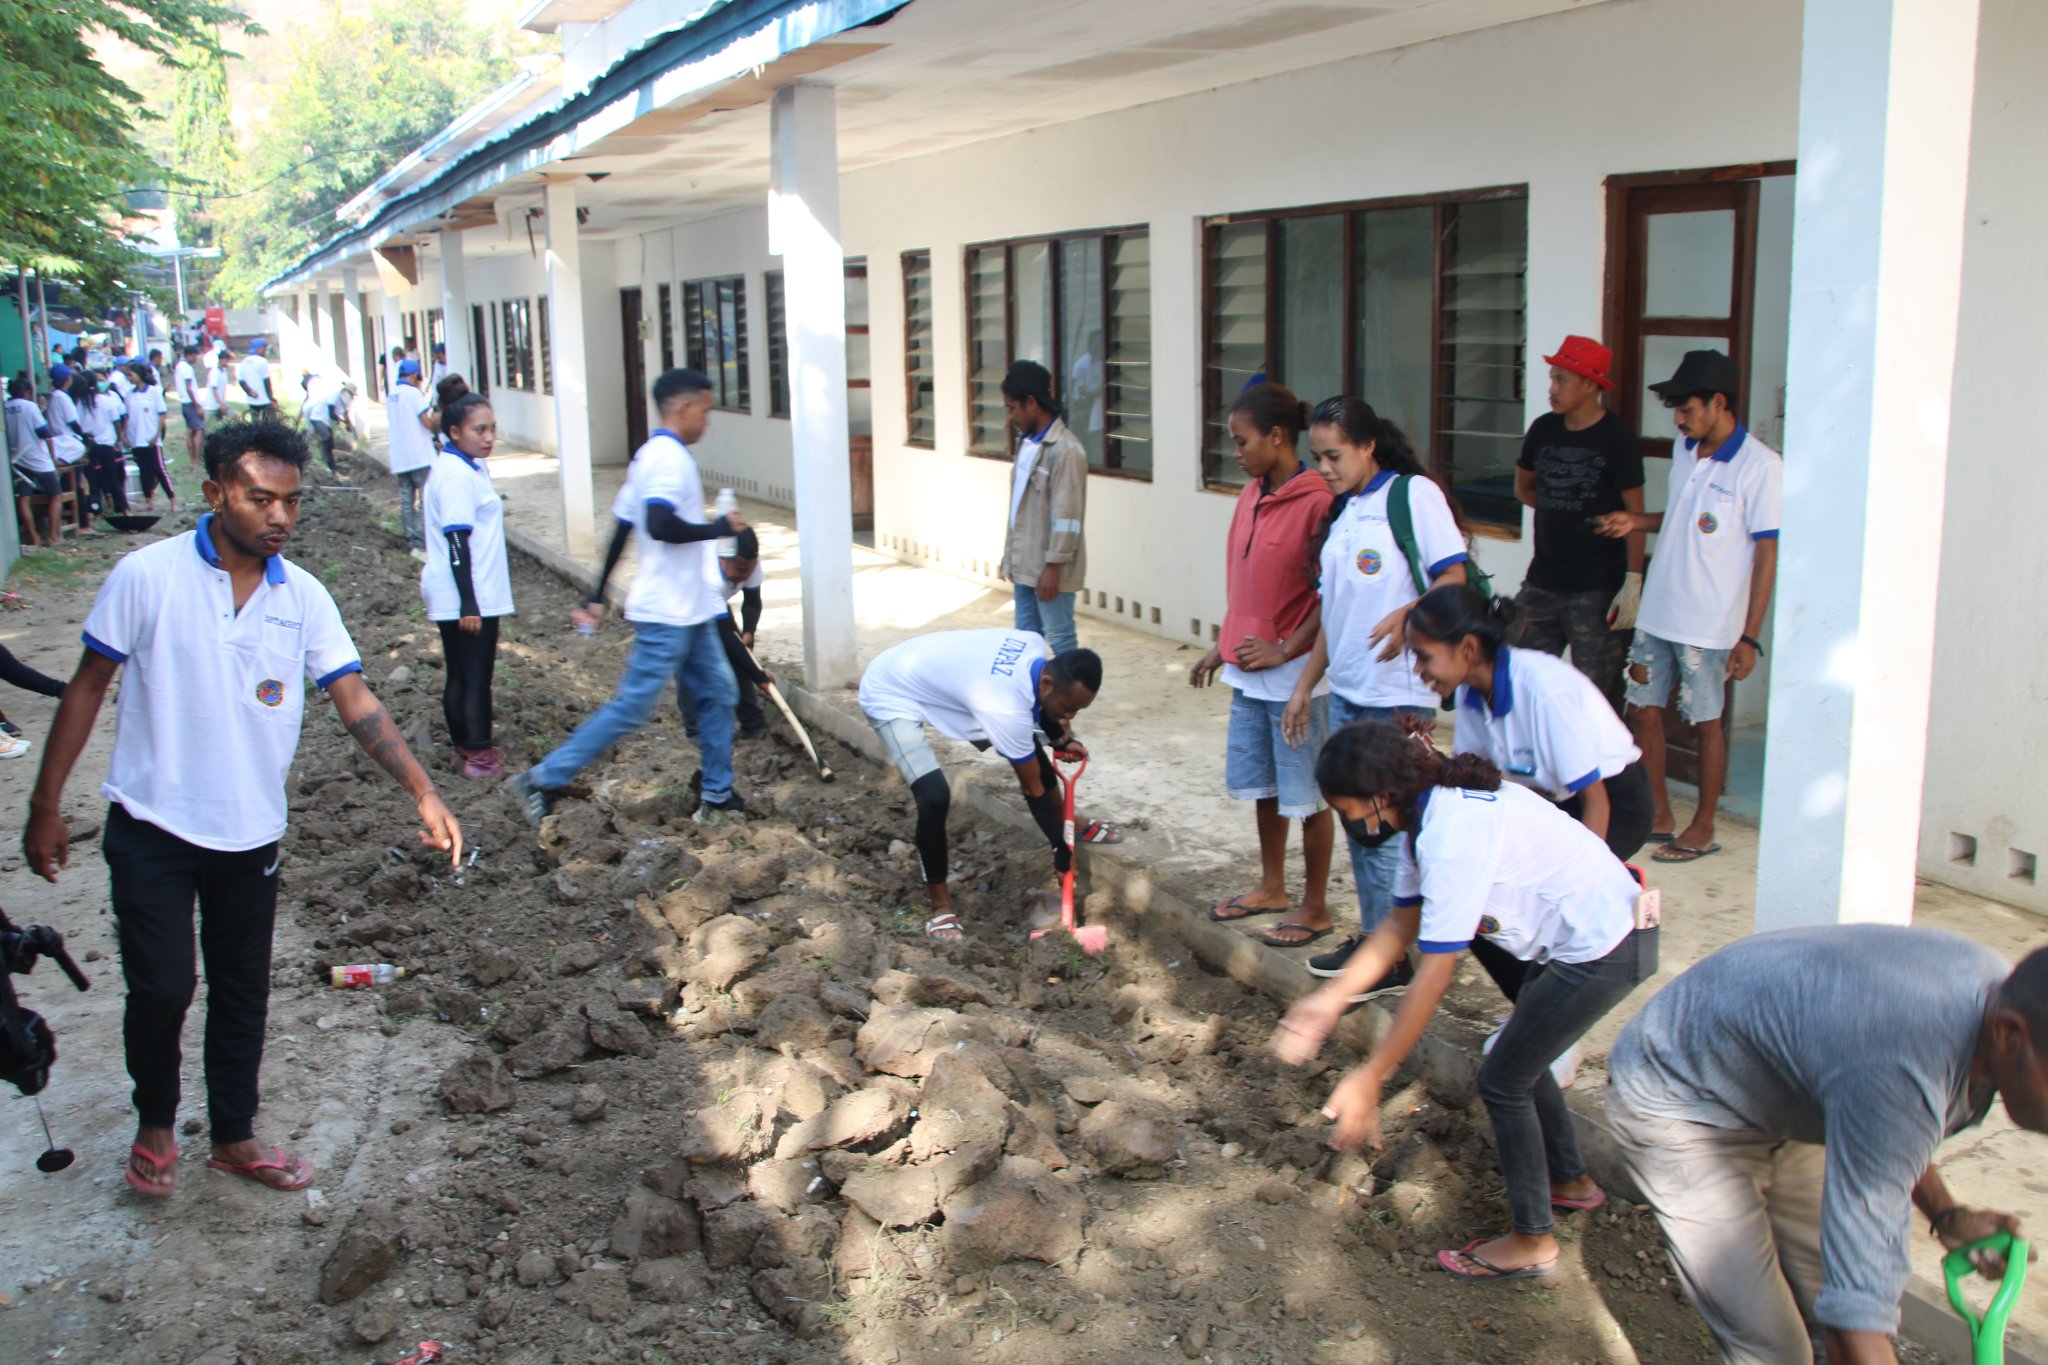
(211,699)
(1546,726)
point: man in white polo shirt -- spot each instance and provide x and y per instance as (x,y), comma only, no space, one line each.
(995,689)
(672,607)
(1709,586)
(409,445)
(191,400)
(253,375)
(219,636)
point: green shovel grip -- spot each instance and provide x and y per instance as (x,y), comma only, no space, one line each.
(1987,1334)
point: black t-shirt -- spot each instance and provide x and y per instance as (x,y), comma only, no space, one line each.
(1579,474)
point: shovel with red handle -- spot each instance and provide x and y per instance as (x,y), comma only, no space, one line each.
(1093,938)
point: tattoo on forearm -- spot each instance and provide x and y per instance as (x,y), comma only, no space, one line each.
(380,739)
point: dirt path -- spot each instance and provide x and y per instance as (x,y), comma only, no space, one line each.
(659,1093)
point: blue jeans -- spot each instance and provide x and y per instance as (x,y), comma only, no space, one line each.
(695,658)
(1372,869)
(1054,620)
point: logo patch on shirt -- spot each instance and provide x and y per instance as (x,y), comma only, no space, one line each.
(270,692)
(1488,924)
(1707,524)
(1368,562)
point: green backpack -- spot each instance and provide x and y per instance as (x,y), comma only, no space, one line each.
(1402,518)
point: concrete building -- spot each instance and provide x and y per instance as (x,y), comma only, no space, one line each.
(1413,201)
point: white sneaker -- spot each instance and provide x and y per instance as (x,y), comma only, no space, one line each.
(1565,1069)
(10,747)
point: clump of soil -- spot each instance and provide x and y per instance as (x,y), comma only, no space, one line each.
(651,1091)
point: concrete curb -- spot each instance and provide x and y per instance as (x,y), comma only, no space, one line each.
(1446,1057)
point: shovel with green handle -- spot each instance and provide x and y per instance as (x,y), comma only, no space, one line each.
(1987,1334)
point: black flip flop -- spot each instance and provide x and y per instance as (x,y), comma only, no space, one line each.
(1243,911)
(1315,936)
(1447,1262)
(1655,838)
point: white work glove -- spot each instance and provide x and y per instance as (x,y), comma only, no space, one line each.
(1622,614)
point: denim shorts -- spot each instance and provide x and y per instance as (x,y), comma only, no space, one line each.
(1702,676)
(1259,764)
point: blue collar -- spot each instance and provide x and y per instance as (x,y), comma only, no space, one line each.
(202,540)
(664,431)
(1727,449)
(461,454)
(1378,482)
(1503,688)
(1044,431)
(1421,812)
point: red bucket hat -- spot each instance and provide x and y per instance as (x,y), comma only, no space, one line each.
(1586,358)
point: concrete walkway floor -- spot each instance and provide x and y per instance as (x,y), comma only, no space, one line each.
(1157,770)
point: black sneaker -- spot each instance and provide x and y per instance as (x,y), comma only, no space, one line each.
(10,727)
(532,799)
(1401,975)
(1332,962)
(714,812)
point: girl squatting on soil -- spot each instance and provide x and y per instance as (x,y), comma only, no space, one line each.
(1480,860)
(467,580)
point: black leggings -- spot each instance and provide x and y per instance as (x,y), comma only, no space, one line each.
(1630,812)
(466,697)
(149,462)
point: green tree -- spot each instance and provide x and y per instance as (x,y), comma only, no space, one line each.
(70,129)
(203,150)
(359,93)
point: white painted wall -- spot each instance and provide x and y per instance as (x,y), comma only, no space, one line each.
(1984,777)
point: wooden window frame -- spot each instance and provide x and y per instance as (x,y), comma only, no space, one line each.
(1439,399)
(665,301)
(497,346)
(482,367)
(1058,362)
(912,335)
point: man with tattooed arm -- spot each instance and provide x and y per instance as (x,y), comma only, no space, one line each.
(219,636)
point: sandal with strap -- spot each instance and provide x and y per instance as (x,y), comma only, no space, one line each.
(166,1182)
(276,1161)
(1448,1262)
(945,928)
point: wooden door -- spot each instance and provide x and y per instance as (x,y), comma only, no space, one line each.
(1681,276)
(859,398)
(635,367)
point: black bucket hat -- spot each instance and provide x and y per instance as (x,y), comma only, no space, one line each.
(1700,372)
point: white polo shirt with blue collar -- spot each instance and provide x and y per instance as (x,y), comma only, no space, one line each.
(211,699)
(1546,726)
(1697,590)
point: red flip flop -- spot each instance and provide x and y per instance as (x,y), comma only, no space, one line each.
(1597,1199)
(1448,1262)
(166,1183)
(277,1161)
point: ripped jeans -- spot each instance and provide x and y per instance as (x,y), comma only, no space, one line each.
(1701,675)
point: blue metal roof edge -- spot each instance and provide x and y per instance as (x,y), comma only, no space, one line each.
(796,23)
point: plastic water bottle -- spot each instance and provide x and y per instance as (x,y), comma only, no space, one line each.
(366,974)
(728,502)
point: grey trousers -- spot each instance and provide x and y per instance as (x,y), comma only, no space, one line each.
(1740,1214)
(412,494)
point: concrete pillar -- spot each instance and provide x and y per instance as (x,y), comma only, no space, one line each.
(1877,243)
(571,372)
(803,227)
(352,331)
(394,335)
(294,353)
(455,306)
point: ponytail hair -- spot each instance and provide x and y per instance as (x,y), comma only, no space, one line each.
(1373,758)
(457,412)
(1454,611)
(1360,425)
(1272,407)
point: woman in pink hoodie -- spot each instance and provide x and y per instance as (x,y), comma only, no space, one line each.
(1269,626)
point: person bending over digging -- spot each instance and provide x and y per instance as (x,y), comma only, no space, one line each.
(1780,1105)
(994,689)
(215,635)
(1479,859)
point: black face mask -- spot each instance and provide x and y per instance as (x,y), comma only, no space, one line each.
(1364,834)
